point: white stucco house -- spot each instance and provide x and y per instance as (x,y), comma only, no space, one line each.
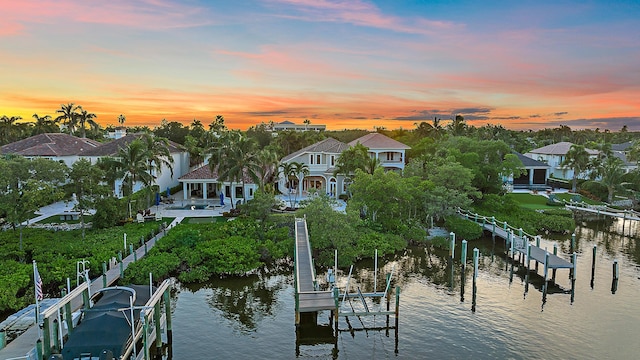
(553,155)
(69,149)
(321,159)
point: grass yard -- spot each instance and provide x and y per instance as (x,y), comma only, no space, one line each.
(530,201)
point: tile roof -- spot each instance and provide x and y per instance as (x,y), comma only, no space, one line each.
(111,148)
(328,145)
(205,173)
(377,141)
(560,148)
(50,144)
(621,147)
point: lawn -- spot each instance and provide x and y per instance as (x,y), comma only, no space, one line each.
(530,201)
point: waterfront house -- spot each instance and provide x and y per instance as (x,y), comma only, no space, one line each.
(203,184)
(390,152)
(553,155)
(53,146)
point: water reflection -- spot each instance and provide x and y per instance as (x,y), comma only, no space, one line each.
(247,300)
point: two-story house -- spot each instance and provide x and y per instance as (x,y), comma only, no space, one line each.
(553,155)
(391,153)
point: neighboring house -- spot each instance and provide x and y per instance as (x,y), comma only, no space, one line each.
(553,155)
(536,176)
(288,125)
(321,158)
(620,151)
(204,184)
(117,133)
(54,146)
(180,159)
(391,153)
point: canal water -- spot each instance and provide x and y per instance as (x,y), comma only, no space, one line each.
(253,317)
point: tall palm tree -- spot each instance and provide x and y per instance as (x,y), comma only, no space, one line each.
(121,119)
(268,167)
(577,159)
(301,170)
(85,118)
(132,163)
(68,116)
(457,126)
(289,172)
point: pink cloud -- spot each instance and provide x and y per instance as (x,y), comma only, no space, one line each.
(362,14)
(149,14)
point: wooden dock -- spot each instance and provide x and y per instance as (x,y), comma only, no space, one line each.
(25,345)
(308,297)
(520,241)
(604,210)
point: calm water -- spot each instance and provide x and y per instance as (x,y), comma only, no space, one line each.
(253,317)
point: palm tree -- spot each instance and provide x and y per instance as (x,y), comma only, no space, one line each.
(7,129)
(43,125)
(289,172)
(132,164)
(121,119)
(577,159)
(268,167)
(301,170)
(68,116)
(457,126)
(84,118)
(612,176)
(232,156)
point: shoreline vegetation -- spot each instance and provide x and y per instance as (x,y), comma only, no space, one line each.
(450,165)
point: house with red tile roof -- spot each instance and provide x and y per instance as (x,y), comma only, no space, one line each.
(53,146)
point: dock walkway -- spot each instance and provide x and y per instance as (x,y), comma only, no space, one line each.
(519,239)
(308,297)
(23,347)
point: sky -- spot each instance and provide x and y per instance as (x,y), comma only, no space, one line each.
(347,64)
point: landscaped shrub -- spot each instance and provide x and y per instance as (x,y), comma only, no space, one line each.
(593,190)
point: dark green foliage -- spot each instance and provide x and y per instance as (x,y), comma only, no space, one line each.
(559,212)
(195,252)
(506,209)
(107,213)
(593,190)
(56,254)
(464,229)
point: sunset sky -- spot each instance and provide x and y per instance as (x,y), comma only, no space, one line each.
(346,64)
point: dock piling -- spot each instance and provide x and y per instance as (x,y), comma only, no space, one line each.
(616,270)
(593,265)
(553,272)
(104,274)
(463,254)
(476,255)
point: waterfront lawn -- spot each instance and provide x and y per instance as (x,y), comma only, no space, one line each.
(530,201)
(205,220)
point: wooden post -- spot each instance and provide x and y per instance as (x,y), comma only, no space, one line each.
(616,270)
(145,334)
(520,232)
(493,231)
(397,305)
(68,317)
(121,265)
(85,298)
(156,319)
(56,339)
(104,274)
(463,254)
(46,338)
(452,245)
(546,269)
(537,245)
(3,339)
(553,272)
(573,242)
(476,254)
(574,261)
(39,349)
(513,246)
(593,265)
(375,272)
(167,313)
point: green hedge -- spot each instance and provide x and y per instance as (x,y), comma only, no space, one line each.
(463,228)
